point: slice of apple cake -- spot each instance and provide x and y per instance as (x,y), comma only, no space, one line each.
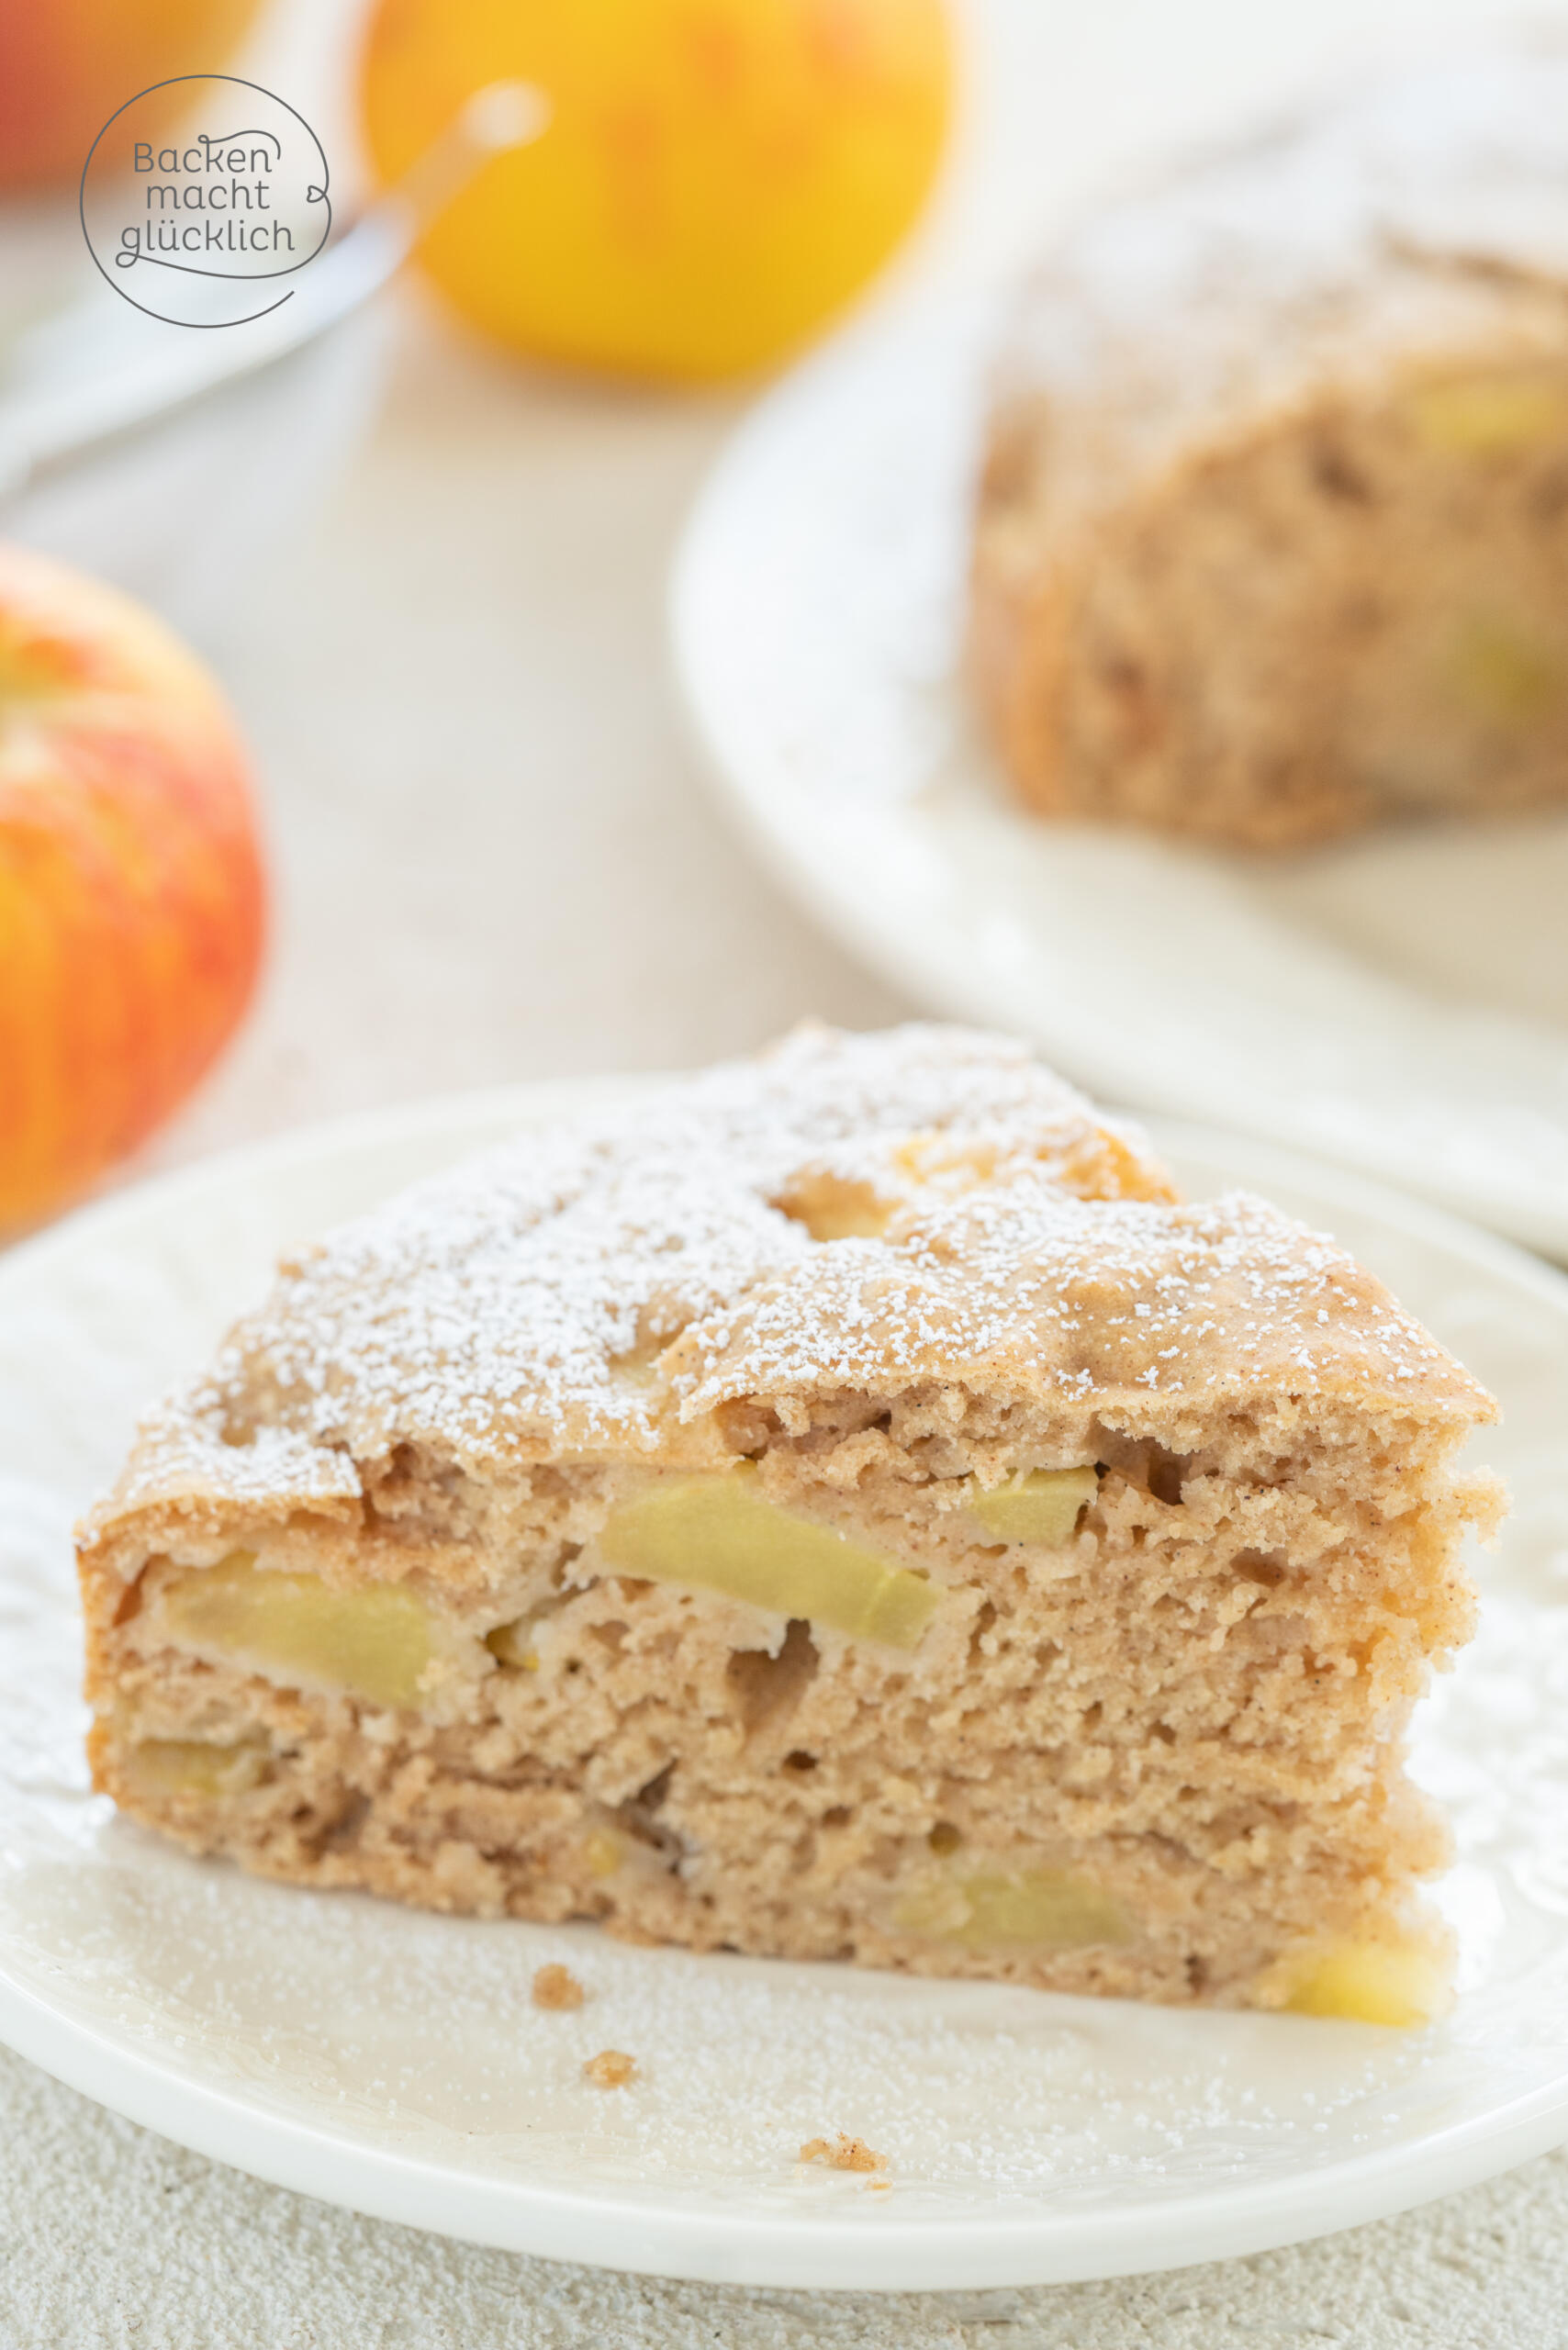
(847,1507)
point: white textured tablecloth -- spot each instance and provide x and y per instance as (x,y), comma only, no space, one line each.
(496,858)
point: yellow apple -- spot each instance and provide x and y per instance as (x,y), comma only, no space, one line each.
(716,179)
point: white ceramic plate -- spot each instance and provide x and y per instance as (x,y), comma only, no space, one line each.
(393,2062)
(1399,1005)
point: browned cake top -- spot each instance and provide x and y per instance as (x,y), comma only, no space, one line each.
(604,1285)
(1417,216)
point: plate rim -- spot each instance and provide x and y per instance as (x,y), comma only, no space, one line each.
(768,2250)
(650,2232)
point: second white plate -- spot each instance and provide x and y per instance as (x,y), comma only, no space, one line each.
(393,2061)
(1399,1004)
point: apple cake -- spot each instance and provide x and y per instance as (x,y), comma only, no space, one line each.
(1272,535)
(847,1507)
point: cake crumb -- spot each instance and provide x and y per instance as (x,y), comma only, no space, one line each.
(609,2069)
(557,1988)
(843,2154)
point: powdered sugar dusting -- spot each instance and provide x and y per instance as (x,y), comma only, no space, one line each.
(603,1285)
(1027,1288)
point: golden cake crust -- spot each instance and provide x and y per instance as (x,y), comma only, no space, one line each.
(611,1286)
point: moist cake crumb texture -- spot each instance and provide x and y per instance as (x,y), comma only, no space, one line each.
(849,1507)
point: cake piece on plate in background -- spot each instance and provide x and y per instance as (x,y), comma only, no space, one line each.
(1273,533)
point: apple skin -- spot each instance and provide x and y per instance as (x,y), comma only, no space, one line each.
(132,899)
(67,65)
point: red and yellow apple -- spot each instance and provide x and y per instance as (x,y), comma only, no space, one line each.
(67,65)
(131,894)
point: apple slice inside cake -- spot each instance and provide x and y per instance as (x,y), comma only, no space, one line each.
(847,1508)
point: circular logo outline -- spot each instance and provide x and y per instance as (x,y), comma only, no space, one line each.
(259,276)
